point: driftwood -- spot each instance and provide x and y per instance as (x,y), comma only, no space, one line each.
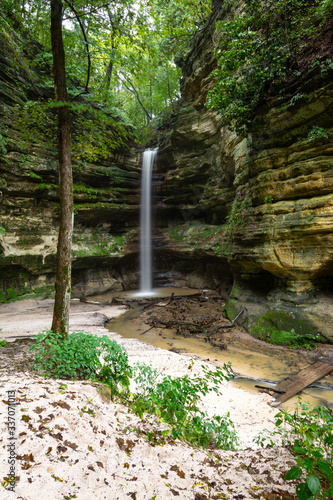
(233,322)
(269,390)
(171,299)
(148,330)
(295,383)
(175,323)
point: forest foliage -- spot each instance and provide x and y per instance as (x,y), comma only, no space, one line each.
(119,56)
(260,48)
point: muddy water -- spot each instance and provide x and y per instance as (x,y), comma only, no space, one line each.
(251,366)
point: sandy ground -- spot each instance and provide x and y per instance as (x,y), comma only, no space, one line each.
(71,442)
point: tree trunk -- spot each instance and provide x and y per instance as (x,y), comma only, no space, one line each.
(63,270)
(108,74)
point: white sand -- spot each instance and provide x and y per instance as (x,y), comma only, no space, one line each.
(72,443)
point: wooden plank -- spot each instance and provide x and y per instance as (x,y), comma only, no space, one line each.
(294,384)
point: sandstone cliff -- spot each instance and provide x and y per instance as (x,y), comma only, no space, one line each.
(106,191)
(265,201)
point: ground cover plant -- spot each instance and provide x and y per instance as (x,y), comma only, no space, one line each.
(289,338)
(82,356)
(308,433)
(175,400)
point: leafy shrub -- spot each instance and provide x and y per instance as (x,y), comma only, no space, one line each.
(308,433)
(80,356)
(176,401)
(317,133)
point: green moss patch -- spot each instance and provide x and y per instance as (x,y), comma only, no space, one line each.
(285,328)
(13,293)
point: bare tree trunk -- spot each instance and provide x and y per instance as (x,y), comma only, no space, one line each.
(60,321)
(108,74)
(133,91)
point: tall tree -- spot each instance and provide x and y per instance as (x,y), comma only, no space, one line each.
(63,270)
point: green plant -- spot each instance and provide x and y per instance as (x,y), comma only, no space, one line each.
(308,433)
(12,293)
(317,133)
(35,176)
(176,401)
(296,97)
(268,199)
(3,343)
(289,338)
(235,220)
(91,192)
(82,356)
(255,50)
(2,231)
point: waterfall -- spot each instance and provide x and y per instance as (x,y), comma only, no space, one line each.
(145,222)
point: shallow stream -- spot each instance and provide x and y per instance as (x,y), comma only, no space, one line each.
(251,366)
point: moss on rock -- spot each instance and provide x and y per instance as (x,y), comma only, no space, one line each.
(272,322)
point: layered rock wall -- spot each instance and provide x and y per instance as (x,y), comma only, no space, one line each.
(271,192)
(106,195)
(249,216)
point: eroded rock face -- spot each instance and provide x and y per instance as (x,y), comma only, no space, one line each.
(106,197)
(271,193)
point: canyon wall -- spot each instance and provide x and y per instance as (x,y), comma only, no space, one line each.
(261,204)
(106,193)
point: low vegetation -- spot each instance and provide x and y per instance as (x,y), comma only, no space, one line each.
(308,433)
(175,400)
(82,356)
(290,338)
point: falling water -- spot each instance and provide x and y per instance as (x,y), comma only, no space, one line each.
(145,222)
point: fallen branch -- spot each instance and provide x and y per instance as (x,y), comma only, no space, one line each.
(269,389)
(171,299)
(231,324)
(148,330)
(176,323)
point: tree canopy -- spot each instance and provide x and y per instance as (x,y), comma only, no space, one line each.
(120,54)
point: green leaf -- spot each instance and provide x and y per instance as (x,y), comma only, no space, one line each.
(298,449)
(303,492)
(307,464)
(330,490)
(329,440)
(325,467)
(313,484)
(294,473)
